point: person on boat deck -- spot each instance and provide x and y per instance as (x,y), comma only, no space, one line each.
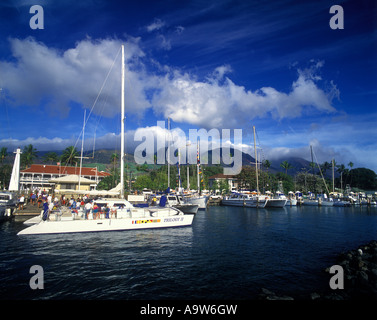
(81,204)
(73,205)
(95,210)
(45,211)
(113,210)
(87,208)
(50,206)
(106,210)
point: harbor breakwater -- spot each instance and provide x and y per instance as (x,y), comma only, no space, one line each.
(359,278)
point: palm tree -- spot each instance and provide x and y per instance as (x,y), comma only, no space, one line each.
(266,164)
(3,154)
(340,169)
(114,159)
(70,156)
(286,165)
(28,155)
(312,166)
(50,157)
(325,166)
(350,164)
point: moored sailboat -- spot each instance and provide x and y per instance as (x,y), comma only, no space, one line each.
(125,216)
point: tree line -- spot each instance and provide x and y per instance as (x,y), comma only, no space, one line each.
(155,176)
(315,178)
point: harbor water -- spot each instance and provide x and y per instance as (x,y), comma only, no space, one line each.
(227,253)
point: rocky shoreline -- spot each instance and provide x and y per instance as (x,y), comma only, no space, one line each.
(359,275)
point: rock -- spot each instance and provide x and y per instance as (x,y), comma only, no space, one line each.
(362,279)
(334,296)
(373,274)
(270,295)
(314,296)
(267,292)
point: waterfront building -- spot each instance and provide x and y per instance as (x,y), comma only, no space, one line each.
(43,176)
(217,179)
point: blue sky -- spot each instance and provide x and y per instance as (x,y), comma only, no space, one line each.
(276,65)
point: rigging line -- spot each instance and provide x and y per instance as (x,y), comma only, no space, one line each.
(99,117)
(321,173)
(95,101)
(261,150)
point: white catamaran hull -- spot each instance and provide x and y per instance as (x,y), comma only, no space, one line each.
(96,225)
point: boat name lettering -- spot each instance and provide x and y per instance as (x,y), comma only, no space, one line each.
(173,219)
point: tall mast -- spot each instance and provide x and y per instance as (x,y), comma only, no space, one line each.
(198,164)
(256,160)
(82,147)
(179,170)
(333,176)
(169,153)
(122,132)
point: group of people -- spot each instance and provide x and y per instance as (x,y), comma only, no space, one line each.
(91,205)
(82,205)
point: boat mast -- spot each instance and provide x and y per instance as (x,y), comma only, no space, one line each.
(256,161)
(82,147)
(198,164)
(179,170)
(122,132)
(333,176)
(168,150)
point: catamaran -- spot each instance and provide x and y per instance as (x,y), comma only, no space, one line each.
(124,216)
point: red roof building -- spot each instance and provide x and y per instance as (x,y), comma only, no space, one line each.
(38,175)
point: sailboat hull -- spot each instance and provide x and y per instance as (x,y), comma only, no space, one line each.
(276,203)
(98,225)
(200,201)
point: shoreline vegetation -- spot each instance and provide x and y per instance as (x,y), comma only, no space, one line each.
(294,174)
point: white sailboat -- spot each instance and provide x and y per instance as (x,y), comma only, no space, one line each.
(253,200)
(9,199)
(125,217)
(244,200)
(291,200)
(197,198)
